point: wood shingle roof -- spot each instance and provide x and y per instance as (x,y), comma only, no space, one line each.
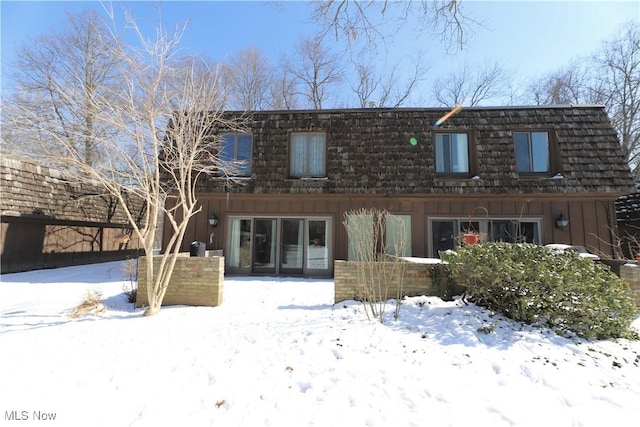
(368,151)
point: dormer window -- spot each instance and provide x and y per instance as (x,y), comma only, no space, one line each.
(235,154)
(307,155)
(532,152)
(452,153)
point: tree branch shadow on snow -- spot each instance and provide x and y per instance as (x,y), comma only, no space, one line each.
(114,304)
(30,321)
(305,307)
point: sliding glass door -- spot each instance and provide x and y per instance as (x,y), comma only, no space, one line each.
(294,246)
(264,246)
(291,246)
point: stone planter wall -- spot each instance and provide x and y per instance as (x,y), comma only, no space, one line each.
(416,281)
(195,281)
(630,273)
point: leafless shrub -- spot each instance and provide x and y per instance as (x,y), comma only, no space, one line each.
(130,288)
(92,302)
(378,248)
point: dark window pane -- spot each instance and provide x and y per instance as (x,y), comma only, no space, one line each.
(442,235)
(523,159)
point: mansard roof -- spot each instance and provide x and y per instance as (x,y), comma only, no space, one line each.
(369,151)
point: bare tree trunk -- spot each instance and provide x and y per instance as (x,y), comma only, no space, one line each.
(160,115)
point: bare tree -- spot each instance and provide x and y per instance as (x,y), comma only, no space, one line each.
(283,93)
(471,85)
(248,77)
(366,85)
(61,76)
(164,110)
(355,19)
(568,85)
(316,71)
(618,88)
(610,77)
(385,89)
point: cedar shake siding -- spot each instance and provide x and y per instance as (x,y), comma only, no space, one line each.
(370,161)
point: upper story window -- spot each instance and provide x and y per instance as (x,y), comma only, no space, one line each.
(532,151)
(452,153)
(307,155)
(235,154)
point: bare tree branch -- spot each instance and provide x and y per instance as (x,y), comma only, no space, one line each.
(162,112)
(248,77)
(376,20)
(471,85)
(316,71)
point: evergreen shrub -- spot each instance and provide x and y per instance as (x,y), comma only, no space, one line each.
(535,285)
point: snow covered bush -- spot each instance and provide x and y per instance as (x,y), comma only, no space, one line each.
(535,285)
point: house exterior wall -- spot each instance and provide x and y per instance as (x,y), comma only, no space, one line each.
(590,220)
(370,163)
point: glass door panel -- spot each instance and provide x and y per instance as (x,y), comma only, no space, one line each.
(317,256)
(240,244)
(443,236)
(291,246)
(264,246)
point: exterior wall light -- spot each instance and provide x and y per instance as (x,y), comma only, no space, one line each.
(213,220)
(562,222)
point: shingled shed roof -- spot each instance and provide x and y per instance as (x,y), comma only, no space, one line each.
(32,190)
(628,206)
(368,151)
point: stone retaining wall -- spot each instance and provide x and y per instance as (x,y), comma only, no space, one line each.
(195,281)
(416,281)
(630,273)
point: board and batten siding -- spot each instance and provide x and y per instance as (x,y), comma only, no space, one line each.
(586,216)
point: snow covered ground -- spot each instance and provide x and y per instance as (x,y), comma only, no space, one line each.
(278,352)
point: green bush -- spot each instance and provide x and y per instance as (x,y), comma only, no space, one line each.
(535,285)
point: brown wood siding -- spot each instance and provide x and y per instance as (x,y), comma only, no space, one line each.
(589,223)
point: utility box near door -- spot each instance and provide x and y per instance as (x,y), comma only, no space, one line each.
(198,249)
(195,281)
